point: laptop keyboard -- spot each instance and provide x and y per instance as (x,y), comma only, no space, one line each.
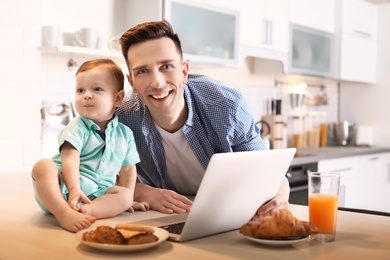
(175,228)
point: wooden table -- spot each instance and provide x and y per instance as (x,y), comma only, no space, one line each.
(28,233)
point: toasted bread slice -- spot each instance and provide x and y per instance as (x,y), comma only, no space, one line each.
(132,227)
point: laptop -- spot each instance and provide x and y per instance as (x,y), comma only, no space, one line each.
(234,186)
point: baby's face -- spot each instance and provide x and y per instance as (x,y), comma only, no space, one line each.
(97,95)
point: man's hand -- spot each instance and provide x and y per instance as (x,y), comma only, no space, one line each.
(164,201)
(280,201)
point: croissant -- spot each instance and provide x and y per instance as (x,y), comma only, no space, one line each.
(282,224)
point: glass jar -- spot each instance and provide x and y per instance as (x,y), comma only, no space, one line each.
(296,136)
(312,130)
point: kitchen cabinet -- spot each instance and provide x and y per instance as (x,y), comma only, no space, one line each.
(358,59)
(364,180)
(348,168)
(264,24)
(386,163)
(209,33)
(359,18)
(316,14)
(357,33)
(374,182)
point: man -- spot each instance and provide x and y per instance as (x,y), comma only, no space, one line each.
(180,120)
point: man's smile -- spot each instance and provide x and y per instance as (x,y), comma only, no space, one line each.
(161,95)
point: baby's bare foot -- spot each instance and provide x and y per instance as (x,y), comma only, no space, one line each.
(75,221)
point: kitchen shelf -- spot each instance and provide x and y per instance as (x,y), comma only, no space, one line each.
(82,52)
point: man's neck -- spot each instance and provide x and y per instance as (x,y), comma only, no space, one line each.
(171,123)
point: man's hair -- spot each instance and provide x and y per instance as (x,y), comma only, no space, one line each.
(107,65)
(149,31)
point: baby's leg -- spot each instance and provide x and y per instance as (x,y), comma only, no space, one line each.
(116,200)
(46,176)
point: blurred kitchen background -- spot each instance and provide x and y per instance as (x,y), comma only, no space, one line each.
(261,50)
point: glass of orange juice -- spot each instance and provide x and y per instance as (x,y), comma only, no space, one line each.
(323,204)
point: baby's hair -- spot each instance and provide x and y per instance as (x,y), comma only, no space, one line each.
(108,65)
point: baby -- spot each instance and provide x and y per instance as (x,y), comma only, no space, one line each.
(96,152)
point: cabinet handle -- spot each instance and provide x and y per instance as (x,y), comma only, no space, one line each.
(388,172)
(362,33)
(264,33)
(374,158)
(269,32)
(343,170)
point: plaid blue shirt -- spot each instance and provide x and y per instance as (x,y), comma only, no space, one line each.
(218,122)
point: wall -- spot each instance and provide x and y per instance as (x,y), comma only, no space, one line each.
(369,104)
(20,84)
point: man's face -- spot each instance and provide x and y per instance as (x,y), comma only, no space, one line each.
(157,75)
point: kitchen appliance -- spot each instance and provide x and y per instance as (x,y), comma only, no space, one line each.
(344,132)
(57,113)
(311,52)
(54,118)
(277,126)
(265,135)
(297,176)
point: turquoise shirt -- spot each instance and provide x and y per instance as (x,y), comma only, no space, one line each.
(100,160)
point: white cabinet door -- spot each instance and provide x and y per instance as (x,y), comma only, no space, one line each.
(374,181)
(358,59)
(251,27)
(359,18)
(358,48)
(276,14)
(386,194)
(264,24)
(349,176)
(316,14)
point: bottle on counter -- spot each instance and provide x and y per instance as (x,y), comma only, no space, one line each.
(316,129)
(323,129)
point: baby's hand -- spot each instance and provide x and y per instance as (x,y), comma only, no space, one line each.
(140,206)
(77,197)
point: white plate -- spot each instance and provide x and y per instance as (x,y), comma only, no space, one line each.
(276,242)
(159,232)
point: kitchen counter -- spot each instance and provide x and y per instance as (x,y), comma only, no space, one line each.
(28,233)
(310,155)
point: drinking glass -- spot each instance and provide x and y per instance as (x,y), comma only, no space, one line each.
(323,204)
